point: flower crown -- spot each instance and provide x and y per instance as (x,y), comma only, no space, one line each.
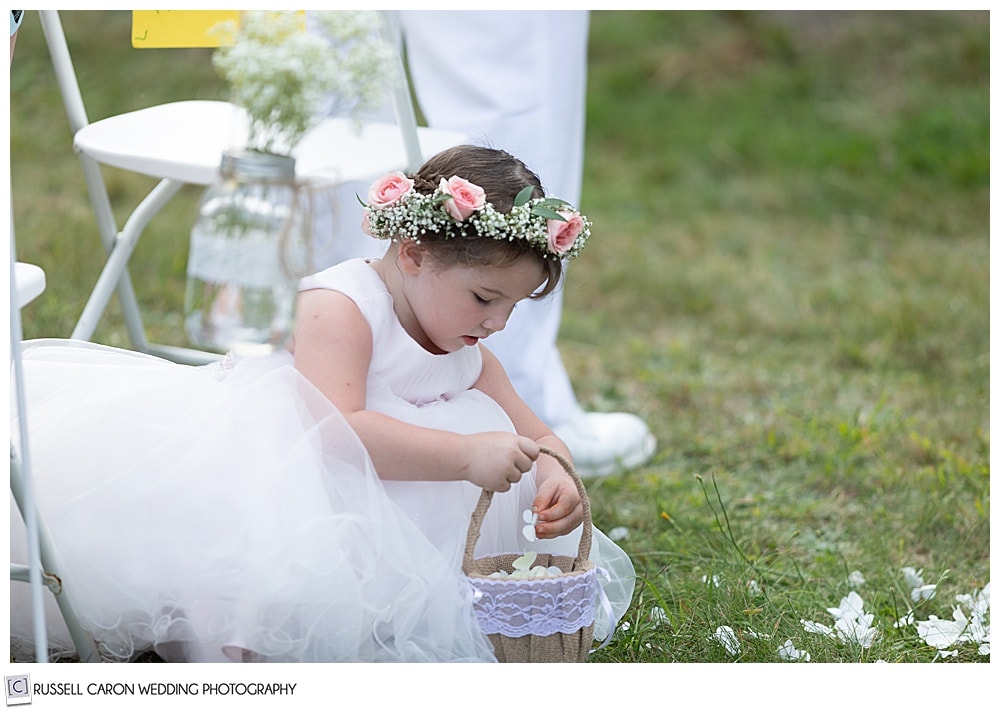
(396,211)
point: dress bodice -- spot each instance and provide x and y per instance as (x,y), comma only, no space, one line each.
(399,363)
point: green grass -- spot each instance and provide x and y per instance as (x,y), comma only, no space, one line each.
(788,279)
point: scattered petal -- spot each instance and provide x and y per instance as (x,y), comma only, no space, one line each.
(925,591)
(813,627)
(939,633)
(658,616)
(714,581)
(754,588)
(851,607)
(857,630)
(788,652)
(618,533)
(912,577)
(856,579)
(727,637)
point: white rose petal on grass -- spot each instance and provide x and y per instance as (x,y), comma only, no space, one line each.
(788,652)
(851,607)
(856,579)
(913,577)
(727,637)
(658,616)
(618,533)
(814,627)
(924,591)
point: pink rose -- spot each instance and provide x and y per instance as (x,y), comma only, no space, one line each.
(563,234)
(466,197)
(387,190)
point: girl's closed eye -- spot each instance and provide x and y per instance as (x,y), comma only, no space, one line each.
(484,301)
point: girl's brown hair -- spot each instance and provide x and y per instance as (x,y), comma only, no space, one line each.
(502,177)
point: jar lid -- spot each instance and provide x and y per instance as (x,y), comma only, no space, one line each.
(249,164)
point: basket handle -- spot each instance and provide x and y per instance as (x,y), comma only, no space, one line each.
(475,525)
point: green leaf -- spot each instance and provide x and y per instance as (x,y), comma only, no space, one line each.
(523,196)
(543,211)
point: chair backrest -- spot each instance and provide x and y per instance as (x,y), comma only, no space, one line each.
(76,111)
(69,88)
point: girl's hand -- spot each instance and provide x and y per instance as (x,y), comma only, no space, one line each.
(558,506)
(498,459)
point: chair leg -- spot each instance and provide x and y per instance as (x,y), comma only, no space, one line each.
(115,269)
(85,646)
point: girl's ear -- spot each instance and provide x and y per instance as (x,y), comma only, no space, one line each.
(411,256)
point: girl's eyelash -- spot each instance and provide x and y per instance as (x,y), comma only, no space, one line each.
(482,300)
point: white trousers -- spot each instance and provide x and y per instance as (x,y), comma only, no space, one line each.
(514,80)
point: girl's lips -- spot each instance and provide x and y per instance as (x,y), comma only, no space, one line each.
(469,340)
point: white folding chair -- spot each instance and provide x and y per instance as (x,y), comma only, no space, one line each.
(182,143)
(27,282)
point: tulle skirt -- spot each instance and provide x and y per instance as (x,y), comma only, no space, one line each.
(229,512)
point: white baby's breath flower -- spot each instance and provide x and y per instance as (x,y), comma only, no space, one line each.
(280,73)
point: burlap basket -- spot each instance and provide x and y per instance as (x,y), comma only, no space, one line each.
(540,619)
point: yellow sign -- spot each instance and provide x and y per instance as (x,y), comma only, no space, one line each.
(177,28)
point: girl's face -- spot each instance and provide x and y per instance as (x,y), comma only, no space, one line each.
(452,307)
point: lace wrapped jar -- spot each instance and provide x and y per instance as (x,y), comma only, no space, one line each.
(249,247)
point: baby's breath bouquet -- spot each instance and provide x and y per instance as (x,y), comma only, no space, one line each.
(281,73)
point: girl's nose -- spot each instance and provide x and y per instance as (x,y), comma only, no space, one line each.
(494,324)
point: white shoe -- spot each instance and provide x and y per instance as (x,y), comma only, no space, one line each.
(606,443)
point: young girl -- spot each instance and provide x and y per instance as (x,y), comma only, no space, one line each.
(313,504)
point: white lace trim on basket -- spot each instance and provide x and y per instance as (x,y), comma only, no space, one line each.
(539,607)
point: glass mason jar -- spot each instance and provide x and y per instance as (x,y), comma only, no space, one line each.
(249,248)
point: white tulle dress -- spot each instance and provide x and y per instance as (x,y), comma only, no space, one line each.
(229,512)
